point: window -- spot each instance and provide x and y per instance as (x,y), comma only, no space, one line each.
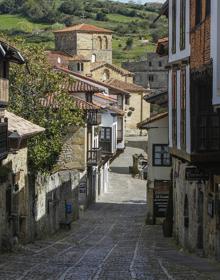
(161,156)
(150,63)
(100,43)
(93,58)
(106,75)
(80,67)
(105,42)
(105,134)
(174,26)
(183,109)
(174,108)
(106,139)
(160,64)
(182,24)
(151,78)
(198,11)
(208,7)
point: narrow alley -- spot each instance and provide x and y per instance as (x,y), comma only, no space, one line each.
(109,242)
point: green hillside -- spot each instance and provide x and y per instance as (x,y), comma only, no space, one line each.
(134,33)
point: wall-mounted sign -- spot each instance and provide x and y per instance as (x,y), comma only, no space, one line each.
(161,196)
(194,174)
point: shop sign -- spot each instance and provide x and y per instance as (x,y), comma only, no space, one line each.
(161,196)
(194,174)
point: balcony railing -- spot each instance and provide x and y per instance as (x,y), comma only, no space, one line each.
(3,138)
(207,133)
(93,118)
(4,92)
(94,156)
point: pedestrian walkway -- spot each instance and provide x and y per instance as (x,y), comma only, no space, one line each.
(110,242)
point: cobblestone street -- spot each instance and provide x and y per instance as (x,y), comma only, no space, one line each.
(109,242)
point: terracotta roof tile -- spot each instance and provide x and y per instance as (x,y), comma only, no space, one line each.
(132,88)
(57,58)
(50,101)
(24,127)
(154,118)
(84,28)
(79,86)
(114,90)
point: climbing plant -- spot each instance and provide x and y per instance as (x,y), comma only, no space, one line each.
(28,86)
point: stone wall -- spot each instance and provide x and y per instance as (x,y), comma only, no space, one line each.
(202,232)
(98,74)
(56,201)
(138,115)
(85,44)
(14,200)
(73,155)
(154,67)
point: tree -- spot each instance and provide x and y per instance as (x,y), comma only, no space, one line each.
(70,7)
(26,93)
(101,17)
(129,43)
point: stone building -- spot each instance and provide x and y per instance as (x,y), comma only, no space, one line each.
(150,72)
(194,122)
(90,41)
(15,200)
(90,48)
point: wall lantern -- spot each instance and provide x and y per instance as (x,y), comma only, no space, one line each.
(14,141)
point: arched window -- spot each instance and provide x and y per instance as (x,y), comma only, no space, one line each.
(105,42)
(106,75)
(78,67)
(93,58)
(100,43)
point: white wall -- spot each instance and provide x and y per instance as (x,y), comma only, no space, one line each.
(158,134)
(215,49)
(180,54)
(188,120)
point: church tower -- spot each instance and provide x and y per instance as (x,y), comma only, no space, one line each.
(91,42)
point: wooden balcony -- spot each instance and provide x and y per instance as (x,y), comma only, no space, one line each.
(206,134)
(94,156)
(106,147)
(3,138)
(93,118)
(4,92)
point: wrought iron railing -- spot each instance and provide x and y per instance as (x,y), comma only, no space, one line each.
(93,118)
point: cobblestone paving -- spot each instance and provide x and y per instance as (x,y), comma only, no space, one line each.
(109,242)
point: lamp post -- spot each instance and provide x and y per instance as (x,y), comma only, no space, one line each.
(14,141)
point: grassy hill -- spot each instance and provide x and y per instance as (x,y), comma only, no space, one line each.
(126,20)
